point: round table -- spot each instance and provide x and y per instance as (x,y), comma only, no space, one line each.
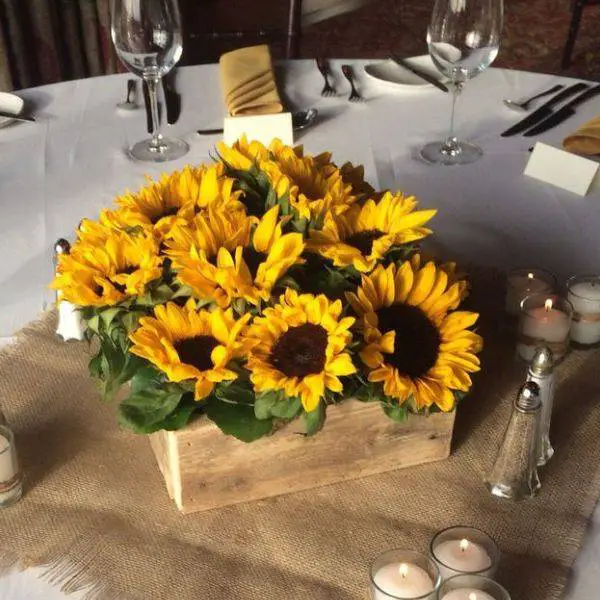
(72,163)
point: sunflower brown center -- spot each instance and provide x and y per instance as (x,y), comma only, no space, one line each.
(252,258)
(169,211)
(196,351)
(300,351)
(363,240)
(417,339)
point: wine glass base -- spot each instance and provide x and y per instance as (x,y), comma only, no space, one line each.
(168,149)
(462,153)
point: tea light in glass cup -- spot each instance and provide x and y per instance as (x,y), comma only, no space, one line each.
(584,295)
(521,283)
(472,587)
(545,321)
(10,475)
(404,575)
(458,550)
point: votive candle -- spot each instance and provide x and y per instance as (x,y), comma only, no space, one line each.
(404,575)
(545,321)
(583,292)
(472,587)
(10,476)
(521,283)
(461,549)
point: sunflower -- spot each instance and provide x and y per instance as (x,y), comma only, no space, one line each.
(103,271)
(187,344)
(299,346)
(363,235)
(260,264)
(414,344)
(175,198)
(198,249)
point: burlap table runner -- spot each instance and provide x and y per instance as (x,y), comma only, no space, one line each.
(97,514)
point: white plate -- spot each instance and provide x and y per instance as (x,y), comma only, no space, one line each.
(393,75)
(12,104)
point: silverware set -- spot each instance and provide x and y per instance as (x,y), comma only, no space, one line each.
(545,117)
(328,89)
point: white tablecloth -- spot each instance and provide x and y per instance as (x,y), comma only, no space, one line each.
(71,164)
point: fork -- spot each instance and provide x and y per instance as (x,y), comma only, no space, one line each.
(328,89)
(354,95)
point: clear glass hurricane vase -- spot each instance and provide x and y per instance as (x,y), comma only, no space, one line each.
(463,39)
(147,39)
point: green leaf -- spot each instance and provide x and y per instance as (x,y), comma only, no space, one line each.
(108,315)
(179,417)
(93,324)
(237,420)
(287,408)
(263,405)
(236,393)
(142,411)
(315,419)
(395,412)
(145,377)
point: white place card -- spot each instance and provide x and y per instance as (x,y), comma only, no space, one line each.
(562,169)
(262,128)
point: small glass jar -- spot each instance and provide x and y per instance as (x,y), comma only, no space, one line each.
(521,283)
(472,587)
(460,549)
(11,487)
(404,575)
(545,322)
(583,292)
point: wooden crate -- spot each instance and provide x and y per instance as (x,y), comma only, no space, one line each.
(203,468)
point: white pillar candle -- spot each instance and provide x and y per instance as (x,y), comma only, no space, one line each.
(461,556)
(402,580)
(520,285)
(584,295)
(543,324)
(467,594)
(10,481)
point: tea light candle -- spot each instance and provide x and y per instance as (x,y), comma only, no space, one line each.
(402,580)
(584,295)
(524,282)
(467,594)
(10,478)
(545,325)
(461,556)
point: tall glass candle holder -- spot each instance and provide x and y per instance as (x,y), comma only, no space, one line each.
(404,575)
(10,475)
(472,587)
(458,550)
(545,322)
(521,283)
(583,292)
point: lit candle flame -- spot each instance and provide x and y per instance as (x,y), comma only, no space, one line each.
(472,596)
(548,304)
(464,544)
(404,571)
(530,276)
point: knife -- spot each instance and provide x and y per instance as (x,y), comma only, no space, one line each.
(544,111)
(172,98)
(425,76)
(8,115)
(563,113)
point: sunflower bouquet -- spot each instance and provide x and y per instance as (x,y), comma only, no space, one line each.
(263,288)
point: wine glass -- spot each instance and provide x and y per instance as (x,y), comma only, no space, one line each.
(147,38)
(463,39)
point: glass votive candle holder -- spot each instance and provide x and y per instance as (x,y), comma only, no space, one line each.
(472,587)
(459,550)
(521,283)
(404,575)
(10,476)
(583,292)
(545,322)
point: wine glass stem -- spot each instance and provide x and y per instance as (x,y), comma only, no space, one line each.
(156,143)
(451,146)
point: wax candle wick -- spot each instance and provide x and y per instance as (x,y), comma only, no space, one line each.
(464,544)
(403,571)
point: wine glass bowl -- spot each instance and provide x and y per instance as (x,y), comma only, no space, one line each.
(463,40)
(147,39)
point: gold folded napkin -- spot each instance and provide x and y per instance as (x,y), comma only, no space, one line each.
(248,82)
(586,140)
